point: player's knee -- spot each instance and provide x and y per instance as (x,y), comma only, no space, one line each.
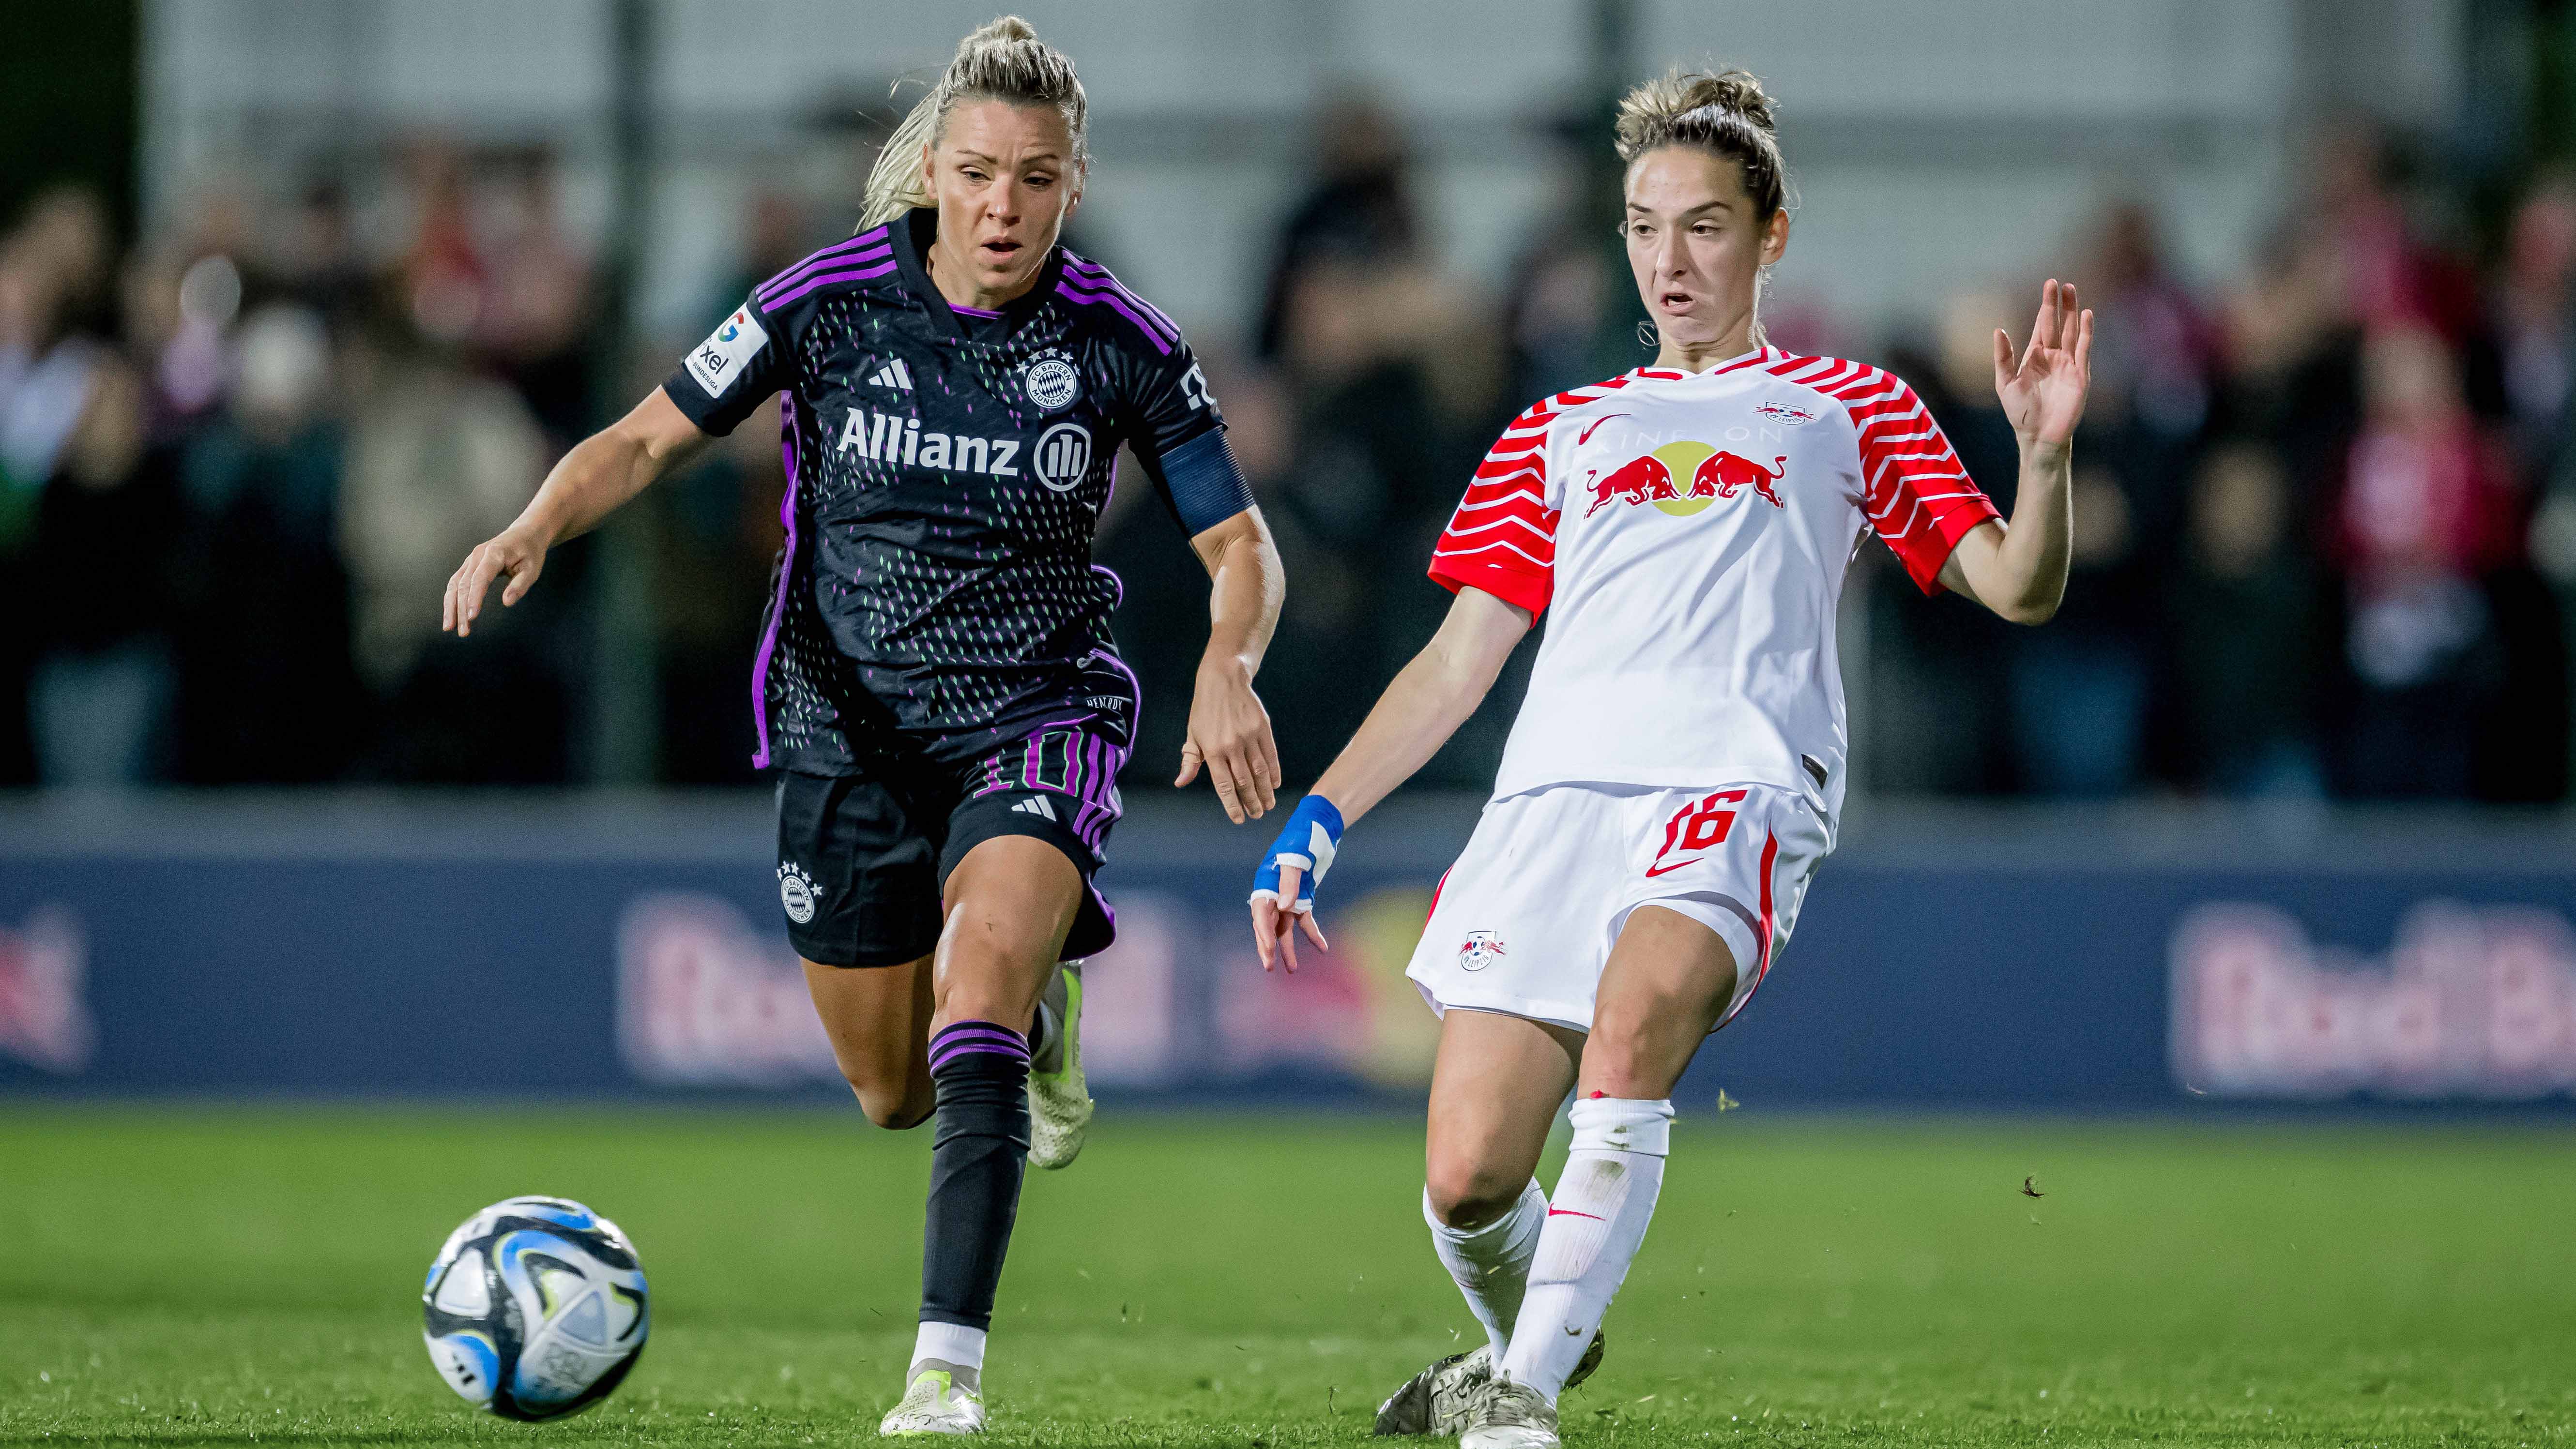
(895,1105)
(1620,1061)
(1629,1067)
(1466,1194)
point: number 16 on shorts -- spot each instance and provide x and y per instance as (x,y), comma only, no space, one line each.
(1695,829)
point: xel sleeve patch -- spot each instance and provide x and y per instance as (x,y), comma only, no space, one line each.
(716,362)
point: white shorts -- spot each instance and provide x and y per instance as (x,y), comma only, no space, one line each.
(1525,920)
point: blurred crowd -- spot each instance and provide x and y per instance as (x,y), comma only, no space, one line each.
(2326,505)
(235,460)
(2325,515)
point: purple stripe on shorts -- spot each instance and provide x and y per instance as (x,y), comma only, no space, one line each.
(786,573)
(1123,309)
(1094,274)
(1088,770)
(1102,761)
(867,241)
(878,269)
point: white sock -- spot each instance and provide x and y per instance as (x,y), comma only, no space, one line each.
(950,1343)
(1603,1202)
(1491,1264)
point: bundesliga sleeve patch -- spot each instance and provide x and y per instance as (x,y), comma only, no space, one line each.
(716,362)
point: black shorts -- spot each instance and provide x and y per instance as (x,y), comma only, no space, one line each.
(862,858)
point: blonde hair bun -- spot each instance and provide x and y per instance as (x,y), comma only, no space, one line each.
(1000,28)
(1002,60)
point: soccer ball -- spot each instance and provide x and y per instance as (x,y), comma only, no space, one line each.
(535,1308)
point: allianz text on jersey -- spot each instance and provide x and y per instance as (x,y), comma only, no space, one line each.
(890,439)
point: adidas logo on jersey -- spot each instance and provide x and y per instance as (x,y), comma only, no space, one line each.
(1035,805)
(890,439)
(894,375)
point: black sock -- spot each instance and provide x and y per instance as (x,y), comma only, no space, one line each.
(979,1151)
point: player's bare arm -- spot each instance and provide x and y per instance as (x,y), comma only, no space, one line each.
(591,482)
(1229,730)
(2020,571)
(1420,710)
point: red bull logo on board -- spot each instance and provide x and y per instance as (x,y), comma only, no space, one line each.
(1685,477)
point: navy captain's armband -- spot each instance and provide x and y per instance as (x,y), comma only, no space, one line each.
(1203,483)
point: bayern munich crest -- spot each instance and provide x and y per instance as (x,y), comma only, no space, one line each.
(796,892)
(1480,950)
(1051,381)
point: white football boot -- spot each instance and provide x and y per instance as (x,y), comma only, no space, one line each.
(1059,1098)
(1435,1400)
(934,1404)
(1502,1414)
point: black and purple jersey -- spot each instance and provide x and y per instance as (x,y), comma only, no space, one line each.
(945,470)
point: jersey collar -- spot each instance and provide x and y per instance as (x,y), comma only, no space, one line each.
(913,233)
(1764,353)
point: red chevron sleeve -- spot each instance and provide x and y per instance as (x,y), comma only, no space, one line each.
(1503,537)
(1915,490)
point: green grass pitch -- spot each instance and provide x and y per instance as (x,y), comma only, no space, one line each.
(218,1275)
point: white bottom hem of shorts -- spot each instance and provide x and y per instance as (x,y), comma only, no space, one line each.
(1572,1015)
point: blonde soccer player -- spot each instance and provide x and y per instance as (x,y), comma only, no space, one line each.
(1677,767)
(937,689)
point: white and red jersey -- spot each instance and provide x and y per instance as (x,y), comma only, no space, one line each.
(1691,531)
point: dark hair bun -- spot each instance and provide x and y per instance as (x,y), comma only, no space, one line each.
(1727,114)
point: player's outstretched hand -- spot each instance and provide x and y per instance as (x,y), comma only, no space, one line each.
(2043,393)
(1283,888)
(515,553)
(1230,735)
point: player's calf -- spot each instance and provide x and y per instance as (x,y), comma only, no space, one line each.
(877,1019)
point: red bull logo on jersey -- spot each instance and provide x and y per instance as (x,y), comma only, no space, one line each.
(1683,478)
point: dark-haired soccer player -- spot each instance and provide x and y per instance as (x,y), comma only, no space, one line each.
(936,685)
(1677,767)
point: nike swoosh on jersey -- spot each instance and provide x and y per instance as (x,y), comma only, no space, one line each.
(1653,871)
(1586,435)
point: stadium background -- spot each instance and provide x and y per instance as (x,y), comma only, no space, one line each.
(2263,843)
